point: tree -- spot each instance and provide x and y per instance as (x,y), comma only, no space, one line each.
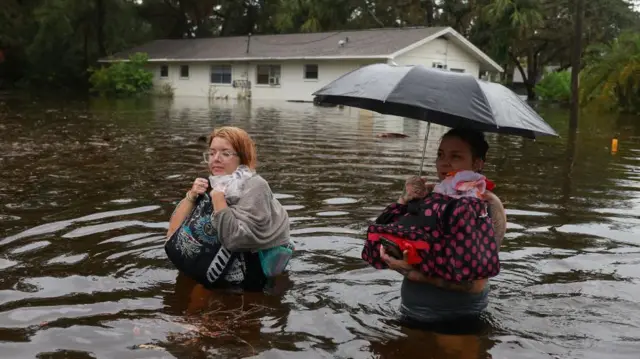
(123,79)
(537,33)
(13,36)
(611,77)
(315,15)
(73,32)
(576,65)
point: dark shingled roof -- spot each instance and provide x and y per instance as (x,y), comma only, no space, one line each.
(361,43)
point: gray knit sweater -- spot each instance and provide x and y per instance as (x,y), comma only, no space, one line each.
(255,221)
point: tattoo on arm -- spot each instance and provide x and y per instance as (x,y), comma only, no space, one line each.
(499,220)
(498,217)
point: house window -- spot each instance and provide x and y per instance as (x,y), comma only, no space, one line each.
(164,71)
(221,74)
(439,65)
(184,71)
(457,70)
(310,72)
(268,75)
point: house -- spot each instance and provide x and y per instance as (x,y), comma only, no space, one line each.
(293,66)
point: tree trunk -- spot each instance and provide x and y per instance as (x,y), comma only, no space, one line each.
(85,47)
(185,24)
(532,76)
(575,66)
(507,75)
(526,75)
(429,8)
(531,91)
(100,9)
(251,19)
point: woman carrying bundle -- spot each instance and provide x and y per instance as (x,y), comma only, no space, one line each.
(229,230)
(443,239)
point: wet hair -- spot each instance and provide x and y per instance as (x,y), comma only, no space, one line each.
(241,143)
(475,139)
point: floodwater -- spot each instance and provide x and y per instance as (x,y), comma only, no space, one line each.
(87,188)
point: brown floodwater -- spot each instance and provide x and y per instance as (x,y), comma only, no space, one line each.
(87,189)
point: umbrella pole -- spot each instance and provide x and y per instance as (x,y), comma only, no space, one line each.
(424,147)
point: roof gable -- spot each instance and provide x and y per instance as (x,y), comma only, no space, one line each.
(453,36)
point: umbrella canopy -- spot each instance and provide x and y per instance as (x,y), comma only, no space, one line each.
(437,96)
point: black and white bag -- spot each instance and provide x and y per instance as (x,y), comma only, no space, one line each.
(195,250)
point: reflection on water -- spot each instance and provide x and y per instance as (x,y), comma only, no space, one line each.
(87,190)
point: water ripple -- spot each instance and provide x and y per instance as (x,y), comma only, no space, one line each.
(85,274)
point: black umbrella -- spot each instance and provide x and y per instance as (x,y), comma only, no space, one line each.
(436,96)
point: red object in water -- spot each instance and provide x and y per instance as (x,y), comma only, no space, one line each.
(410,246)
(1,56)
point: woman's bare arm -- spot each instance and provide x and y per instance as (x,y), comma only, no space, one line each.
(498,216)
(183,209)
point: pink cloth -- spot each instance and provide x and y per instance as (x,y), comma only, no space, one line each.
(463,184)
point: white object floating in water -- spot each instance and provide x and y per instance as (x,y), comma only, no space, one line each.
(340,200)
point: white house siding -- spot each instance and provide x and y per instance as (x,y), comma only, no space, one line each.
(197,84)
(441,51)
(292,86)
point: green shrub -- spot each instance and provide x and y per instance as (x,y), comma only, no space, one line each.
(555,86)
(123,79)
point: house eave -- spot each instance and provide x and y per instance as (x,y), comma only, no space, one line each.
(249,59)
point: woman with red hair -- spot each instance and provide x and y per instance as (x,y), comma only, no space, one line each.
(229,230)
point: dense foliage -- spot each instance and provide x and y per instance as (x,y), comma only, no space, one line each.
(53,42)
(611,77)
(123,79)
(555,86)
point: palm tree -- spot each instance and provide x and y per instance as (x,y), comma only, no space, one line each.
(521,19)
(611,77)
